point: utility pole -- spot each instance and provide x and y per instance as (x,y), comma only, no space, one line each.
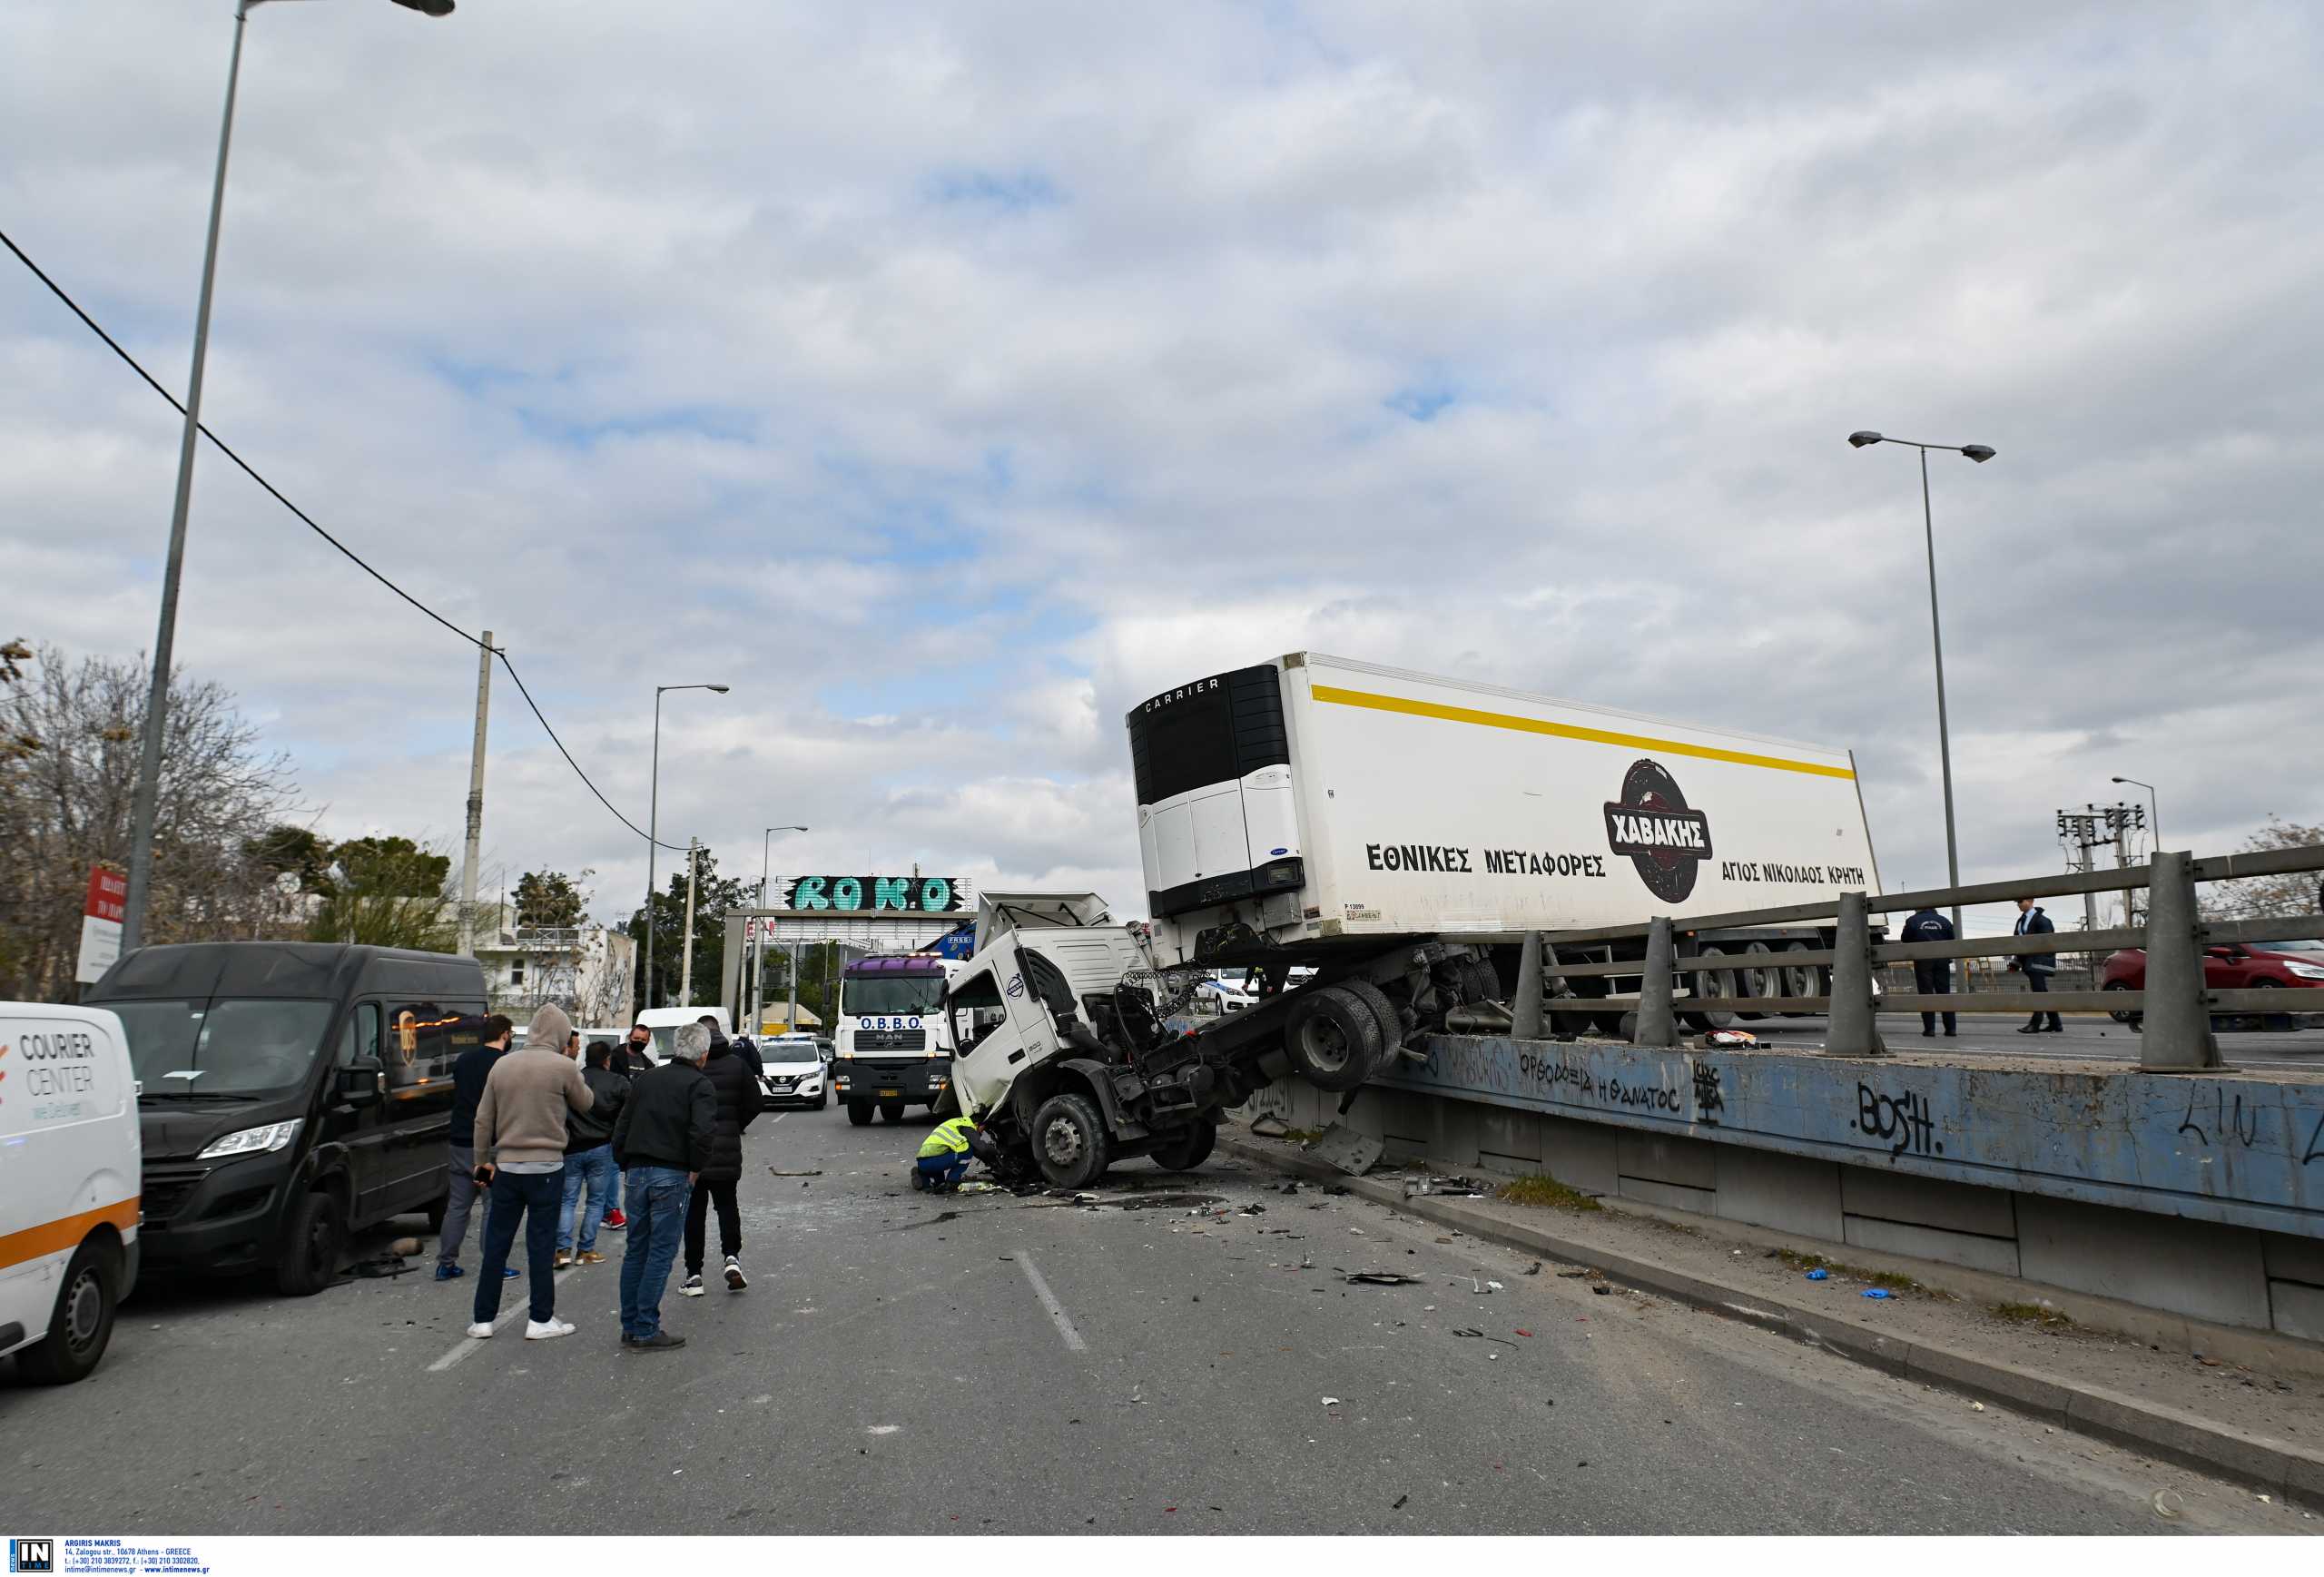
(475,799)
(2078,832)
(686,958)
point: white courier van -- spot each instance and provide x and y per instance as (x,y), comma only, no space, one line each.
(69,1158)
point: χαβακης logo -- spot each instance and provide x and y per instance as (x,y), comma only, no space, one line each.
(31,1555)
(1666,842)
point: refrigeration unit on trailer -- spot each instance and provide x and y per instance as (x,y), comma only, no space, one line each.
(1391,837)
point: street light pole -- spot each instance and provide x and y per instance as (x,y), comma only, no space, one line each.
(2153,808)
(145,806)
(1981,454)
(758,948)
(654,827)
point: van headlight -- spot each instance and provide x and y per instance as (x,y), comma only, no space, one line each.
(253,1141)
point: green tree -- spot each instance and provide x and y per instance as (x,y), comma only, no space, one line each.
(715,896)
(287,847)
(387,892)
(551,899)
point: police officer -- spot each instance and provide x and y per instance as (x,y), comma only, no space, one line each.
(1931,976)
(944,1156)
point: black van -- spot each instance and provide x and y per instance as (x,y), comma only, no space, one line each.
(290,1094)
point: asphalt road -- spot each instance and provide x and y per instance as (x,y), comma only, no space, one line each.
(2086,1038)
(993,1364)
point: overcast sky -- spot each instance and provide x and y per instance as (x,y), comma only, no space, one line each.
(946,379)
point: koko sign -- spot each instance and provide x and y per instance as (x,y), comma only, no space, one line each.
(870,894)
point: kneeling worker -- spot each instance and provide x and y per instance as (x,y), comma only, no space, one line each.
(944,1156)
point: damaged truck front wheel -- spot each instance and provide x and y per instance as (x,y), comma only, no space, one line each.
(1069,1142)
(1333,1039)
(1183,1152)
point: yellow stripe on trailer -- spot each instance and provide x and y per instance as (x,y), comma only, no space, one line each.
(1375,703)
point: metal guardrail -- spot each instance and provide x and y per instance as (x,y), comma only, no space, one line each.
(2176,1009)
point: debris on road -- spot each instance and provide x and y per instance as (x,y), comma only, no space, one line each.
(1819,1274)
(1382,1278)
(1492,1286)
(1290,1187)
(1457,1187)
(1534,1269)
(1977,1408)
(1269,1126)
(1351,1151)
(1400,1503)
(1472,1331)
(1877,1292)
(818,1172)
(1331,1400)
(1574,1275)
(1603,1290)
(2168,1506)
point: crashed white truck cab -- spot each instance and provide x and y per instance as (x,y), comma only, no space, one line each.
(1391,837)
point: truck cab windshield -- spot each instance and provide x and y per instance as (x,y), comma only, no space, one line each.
(881,996)
(241,1048)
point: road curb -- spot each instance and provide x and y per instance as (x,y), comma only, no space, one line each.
(2262,1461)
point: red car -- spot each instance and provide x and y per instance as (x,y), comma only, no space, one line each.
(2229,968)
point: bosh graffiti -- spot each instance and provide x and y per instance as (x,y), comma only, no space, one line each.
(1902,1122)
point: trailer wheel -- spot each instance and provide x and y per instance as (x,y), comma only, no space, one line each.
(1333,1039)
(858,1113)
(1069,1142)
(1709,981)
(1184,1152)
(1799,979)
(893,1110)
(1759,979)
(1392,1023)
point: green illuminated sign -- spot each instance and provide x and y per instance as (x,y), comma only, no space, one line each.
(872,894)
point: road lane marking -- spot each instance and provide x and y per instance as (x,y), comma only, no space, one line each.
(470,1344)
(1048,1301)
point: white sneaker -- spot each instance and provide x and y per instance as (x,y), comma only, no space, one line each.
(480,1330)
(735,1280)
(547,1330)
(692,1287)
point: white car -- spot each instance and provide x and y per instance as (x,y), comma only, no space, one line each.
(794,1074)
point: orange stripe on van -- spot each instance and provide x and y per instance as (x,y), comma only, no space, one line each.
(62,1235)
(1411,708)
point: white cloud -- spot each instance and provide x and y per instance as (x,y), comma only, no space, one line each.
(948,379)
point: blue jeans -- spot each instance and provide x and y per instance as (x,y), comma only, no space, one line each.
(657,1204)
(533,1197)
(945,1168)
(594,1169)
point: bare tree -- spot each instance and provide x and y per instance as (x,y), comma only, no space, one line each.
(2294,893)
(66,781)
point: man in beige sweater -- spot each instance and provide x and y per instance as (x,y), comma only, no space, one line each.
(520,1154)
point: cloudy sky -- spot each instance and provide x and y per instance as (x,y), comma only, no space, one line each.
(948,377)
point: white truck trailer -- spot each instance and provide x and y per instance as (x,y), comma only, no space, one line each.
(1397,834)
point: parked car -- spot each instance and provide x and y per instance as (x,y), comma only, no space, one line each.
(2261,966)
(69,1151)
(291,1094)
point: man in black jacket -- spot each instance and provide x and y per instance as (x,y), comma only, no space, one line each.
(1931,976)
(468,1074)
(589,1159)
(2038,966)
(738,1102)
(662,1140)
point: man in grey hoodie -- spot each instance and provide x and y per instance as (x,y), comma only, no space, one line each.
(521,1136)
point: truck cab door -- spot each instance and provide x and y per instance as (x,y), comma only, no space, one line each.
(998,1027)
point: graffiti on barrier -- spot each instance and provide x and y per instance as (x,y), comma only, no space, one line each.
(2216,1112)
(1902,1122)
(1709,1101)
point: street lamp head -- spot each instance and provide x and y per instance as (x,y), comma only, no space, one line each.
(1862,439)
(2118,780)
(428,7)
(722,689)
(1980,453)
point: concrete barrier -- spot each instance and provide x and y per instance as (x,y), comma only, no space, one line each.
(2199,1195)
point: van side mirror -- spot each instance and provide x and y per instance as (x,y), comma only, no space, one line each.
(360,1084)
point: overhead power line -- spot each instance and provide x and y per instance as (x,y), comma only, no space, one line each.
(309,522)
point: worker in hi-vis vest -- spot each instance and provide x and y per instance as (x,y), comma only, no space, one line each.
(944,1156)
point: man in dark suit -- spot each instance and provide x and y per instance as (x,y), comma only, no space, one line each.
(2038,967)
(1932,976)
